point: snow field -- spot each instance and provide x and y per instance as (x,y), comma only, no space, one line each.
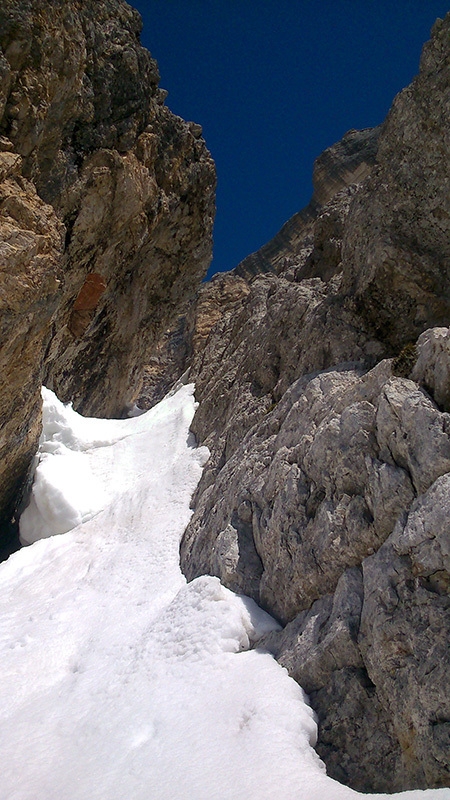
(119,680)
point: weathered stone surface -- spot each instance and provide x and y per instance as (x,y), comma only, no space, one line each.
(263,333)
(266,333)
(320,498)
(308,485)
(129,189)
(266,336)
(294,518)
(325,497)
(345,163)
(405,629)
(320,650)
(77,80)
(412,433)
(143,225)
(30,252)
(432,367)
(374,657)
(396,245)
(183,346)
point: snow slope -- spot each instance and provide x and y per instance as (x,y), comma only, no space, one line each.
(119,680)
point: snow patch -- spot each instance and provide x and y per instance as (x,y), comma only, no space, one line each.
(119,680)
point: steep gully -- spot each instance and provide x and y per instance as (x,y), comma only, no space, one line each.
(326,497)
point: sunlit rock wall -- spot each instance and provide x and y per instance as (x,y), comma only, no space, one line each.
(106,213)
(327,494)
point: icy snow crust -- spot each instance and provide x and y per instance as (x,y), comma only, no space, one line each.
(120,681)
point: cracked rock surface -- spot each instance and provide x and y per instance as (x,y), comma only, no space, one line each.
(106,210)
(332,512)
(324,399)
(321,364)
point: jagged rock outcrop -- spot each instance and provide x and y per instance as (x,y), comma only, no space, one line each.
(308,245)
(345,163)
(326,494)
(184,344)
(332,513)
(127,192)
(326,497)
(396,246)
(31,248)
(256,346)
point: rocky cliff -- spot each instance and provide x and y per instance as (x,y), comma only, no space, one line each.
(322,368)
(106,209)
(321,363)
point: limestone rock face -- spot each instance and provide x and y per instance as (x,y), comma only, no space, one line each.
(127,189)
(432,365)
(132,183)
(331,512)
(31,247)
(268,332)
(396,245)
(143,226)
(76,80)
(320,370)
(271,309)
(183,345)
(343,164)
(405,623)
(326,494)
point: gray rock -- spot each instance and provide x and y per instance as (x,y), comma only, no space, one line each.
(318,488)
(326,495)
(426,536)
(342,472)
(326,465)
(412,433)
(432,368)
(396,242)
(320,650)
(324,638)
(404,634)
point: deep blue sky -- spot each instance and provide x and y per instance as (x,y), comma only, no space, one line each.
(274,82)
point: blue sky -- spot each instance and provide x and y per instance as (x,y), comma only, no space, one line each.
(274,82)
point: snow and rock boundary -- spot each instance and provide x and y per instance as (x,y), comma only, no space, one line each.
(122,679)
